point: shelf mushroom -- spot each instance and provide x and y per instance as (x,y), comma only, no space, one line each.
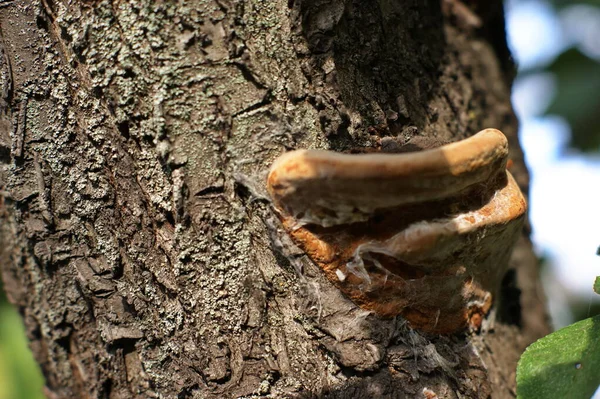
(426,235)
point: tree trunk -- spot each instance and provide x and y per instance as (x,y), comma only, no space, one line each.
(136,237)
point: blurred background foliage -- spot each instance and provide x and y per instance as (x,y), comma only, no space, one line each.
(569,70)
(577,72)
(568,53)
(577,97)
(20,376)
(556,45)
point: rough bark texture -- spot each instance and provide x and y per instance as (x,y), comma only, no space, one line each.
(136,239)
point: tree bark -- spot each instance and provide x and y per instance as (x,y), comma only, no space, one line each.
(137,240)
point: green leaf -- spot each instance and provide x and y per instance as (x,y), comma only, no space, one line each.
(597,285)
(563,364)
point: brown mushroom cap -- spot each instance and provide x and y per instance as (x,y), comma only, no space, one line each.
(329,188)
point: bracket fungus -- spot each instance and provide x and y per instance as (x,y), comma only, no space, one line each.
(426,235)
